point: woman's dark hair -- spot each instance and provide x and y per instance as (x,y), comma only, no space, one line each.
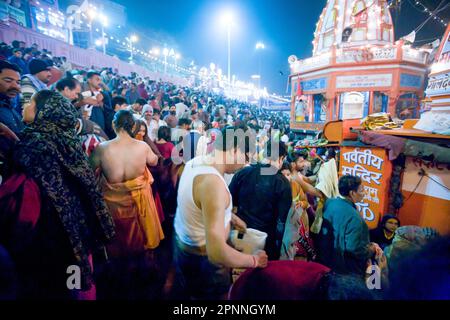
(41,98)
(164,133)
(123,120)
(70,83)
(348,183)
(138,124)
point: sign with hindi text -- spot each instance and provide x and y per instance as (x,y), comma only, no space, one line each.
(364,81)
(374,169)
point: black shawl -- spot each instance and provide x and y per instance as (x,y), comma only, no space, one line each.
(50,152)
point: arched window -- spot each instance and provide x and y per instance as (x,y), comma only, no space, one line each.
(386,34)
(385,15)
(360,12)
(329,29)
(331,20)
(359,19)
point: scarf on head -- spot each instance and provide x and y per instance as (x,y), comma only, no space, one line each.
(50,152)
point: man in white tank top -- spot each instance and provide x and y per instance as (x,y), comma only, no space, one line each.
(202,223)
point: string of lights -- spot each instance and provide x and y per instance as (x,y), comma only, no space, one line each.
(432,13)
(58,19)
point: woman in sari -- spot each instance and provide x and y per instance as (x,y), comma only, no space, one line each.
(141,133)
(126,183)
(298,217)
(163,142)
(74,221)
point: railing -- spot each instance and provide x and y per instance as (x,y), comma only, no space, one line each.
(414,55)
(79,56)
(312,63)
(358,56)
(381,54)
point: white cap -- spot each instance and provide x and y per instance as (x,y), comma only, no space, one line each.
(146,108)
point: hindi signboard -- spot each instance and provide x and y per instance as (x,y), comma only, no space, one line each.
(438,85)
(374,169)
(364,81)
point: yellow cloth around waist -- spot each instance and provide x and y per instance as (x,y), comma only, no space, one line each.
(134,212)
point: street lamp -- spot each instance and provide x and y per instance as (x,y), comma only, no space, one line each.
(259,46)
(91,14)
(155,51)
(165,53)
(104,23)
(177,56)
(228,20)
(132,39)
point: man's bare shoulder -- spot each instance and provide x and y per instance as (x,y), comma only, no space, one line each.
(208,184)
(207,188)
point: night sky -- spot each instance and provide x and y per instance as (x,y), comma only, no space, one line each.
(285,26)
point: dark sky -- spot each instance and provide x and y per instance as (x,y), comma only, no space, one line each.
(285,26)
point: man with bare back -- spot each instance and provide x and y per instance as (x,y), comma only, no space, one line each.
(126,183)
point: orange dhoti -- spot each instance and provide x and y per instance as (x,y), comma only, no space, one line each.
(133,209)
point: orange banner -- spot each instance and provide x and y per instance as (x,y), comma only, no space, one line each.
(374,169)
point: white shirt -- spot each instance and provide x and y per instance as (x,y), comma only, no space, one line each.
(181,108)
(202,145)
(189,225)
(154,127)
(88,107)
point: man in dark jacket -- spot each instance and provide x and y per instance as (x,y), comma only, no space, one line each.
(343,241)
(263,197)
(10,121)
(9,89)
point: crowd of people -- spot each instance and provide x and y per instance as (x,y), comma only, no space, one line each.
(137,183)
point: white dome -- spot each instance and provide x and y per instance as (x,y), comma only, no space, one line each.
(350,23)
